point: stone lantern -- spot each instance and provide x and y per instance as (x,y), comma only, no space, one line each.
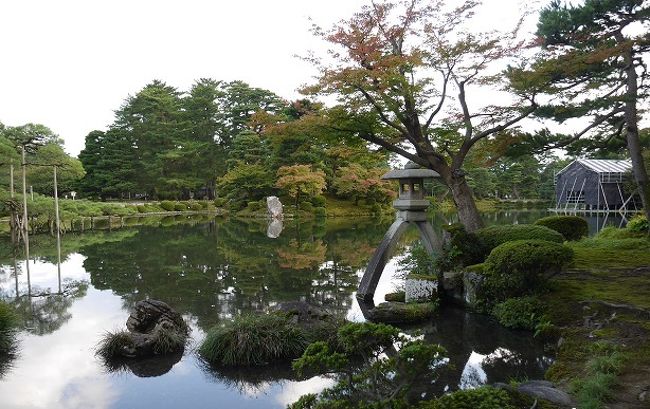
(411,206)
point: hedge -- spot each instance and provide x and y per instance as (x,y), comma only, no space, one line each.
(522,267)
(494,236)
(571,227)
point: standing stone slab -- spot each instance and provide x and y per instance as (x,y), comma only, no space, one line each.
(420,290)
(274,208)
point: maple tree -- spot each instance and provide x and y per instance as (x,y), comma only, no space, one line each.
(300,181)
(394,66)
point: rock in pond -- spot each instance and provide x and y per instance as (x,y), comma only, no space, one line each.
(401,313)
(302,312)
(154,328)
(274,208)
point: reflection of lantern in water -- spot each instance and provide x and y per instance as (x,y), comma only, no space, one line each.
(411,207)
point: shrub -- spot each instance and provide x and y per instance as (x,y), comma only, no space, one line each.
(493,236)
(318,201)
(180,206)
(615,233)
(253,340)
(571,227)
(320,212)
(194,206)
(204,204)
(219,202)
(461,249)
(522,267)
(638,224)
(485,397)
(8,323)
(108,210)
(519,313)
(142,209)
(167,205)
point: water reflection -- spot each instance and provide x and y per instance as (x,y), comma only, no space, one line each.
(208,270)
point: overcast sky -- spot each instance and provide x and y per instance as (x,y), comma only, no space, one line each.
(70,64)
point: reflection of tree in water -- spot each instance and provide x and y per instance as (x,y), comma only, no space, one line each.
(144,367)
(480,350)
(219,269)
(7,359)
(47,313)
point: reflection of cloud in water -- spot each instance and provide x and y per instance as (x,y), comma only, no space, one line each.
(473,374)
(59,370)
(292,391)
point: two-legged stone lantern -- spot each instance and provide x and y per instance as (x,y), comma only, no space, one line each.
(411,207)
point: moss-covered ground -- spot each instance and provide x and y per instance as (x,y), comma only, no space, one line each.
(601,307)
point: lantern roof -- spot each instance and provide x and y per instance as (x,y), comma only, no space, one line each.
(411,171)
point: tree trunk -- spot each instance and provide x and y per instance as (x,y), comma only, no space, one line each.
(632,133)
(464,201)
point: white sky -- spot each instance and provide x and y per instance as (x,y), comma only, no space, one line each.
(68,64)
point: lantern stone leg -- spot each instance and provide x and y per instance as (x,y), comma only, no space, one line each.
(411,207)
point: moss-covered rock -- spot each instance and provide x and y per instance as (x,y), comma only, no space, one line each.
(402,313)
(571,227)
(397,296)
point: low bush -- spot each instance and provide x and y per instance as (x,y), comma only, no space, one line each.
(219,202)
(485,397)
(8,323)
(306,206)
(180,206)
(615,233)
(204,204)
(571,227)
(519,313)
(253,206)
(167,205)
(194,206)
(638,224)
(494,236)
(253,340)
(523,267)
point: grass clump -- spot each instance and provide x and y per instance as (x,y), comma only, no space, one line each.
(639,224)
(113,344)
(596,388)
(253,340)
(168,341)
(8,323)
(571,227)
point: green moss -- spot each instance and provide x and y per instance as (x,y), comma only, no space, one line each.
(398,296)
(604,253)
(571,227)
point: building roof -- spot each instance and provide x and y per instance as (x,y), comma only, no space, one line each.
(411,174)
(603,165)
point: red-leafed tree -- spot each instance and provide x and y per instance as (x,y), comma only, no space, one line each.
(403,72)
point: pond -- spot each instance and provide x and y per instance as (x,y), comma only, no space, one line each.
(211,270)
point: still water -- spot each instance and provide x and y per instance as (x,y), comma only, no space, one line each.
(211,270)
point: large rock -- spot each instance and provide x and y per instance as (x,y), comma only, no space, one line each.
(543,390)
(154,328)
(274,228)
(274,208)
(302,312)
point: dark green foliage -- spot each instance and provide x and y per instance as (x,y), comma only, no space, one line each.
(8,321)
(523,267)
(180,206)
(462,249)
(253,340)
(519,313)
(370,372)
(600,376)
(571,227)
(485,397)
(493,236)
(318,201)
(417,262)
